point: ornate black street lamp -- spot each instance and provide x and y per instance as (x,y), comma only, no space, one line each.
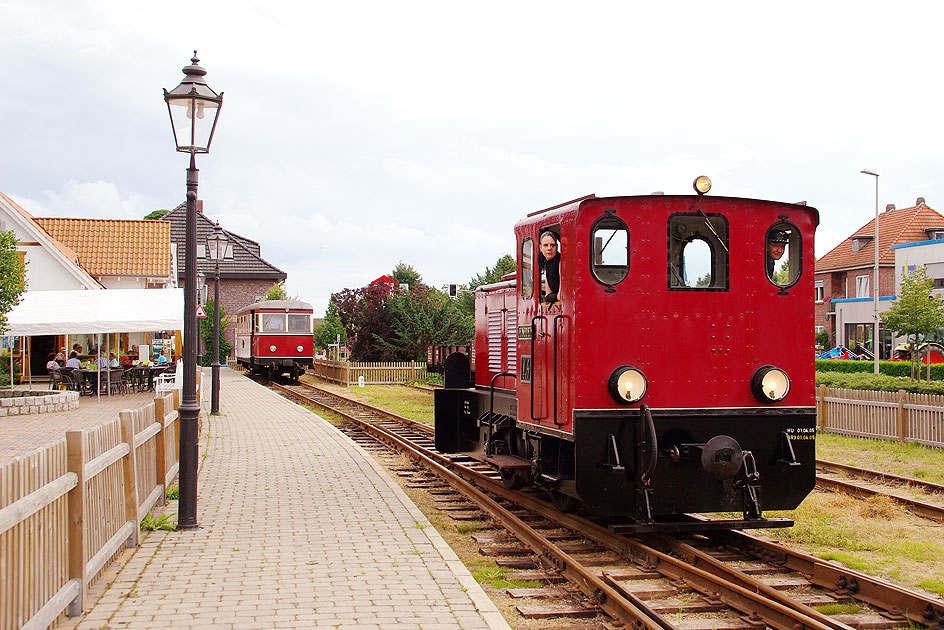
(217,251)
(194,109)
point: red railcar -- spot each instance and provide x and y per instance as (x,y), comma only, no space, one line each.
(275,337)
(673,376)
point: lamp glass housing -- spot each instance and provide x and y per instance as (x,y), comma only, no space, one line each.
(217,244)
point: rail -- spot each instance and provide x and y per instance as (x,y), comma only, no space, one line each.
(900,416)
(349,373)
(68,509)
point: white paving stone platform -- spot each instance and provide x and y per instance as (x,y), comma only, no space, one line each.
(299,528)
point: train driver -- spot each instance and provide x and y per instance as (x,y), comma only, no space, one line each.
(549,263)
(776,244)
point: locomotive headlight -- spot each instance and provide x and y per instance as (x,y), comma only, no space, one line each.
(770,384)
(271,348)
(299,348)
(627,384)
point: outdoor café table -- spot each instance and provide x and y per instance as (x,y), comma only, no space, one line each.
(152,371)
(91,380)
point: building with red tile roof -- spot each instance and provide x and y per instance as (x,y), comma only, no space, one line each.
(844,299)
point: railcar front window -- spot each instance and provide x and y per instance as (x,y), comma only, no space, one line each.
(273,322)
(783,257)
(527,269)
(697,252)
(299,323)
(609,240)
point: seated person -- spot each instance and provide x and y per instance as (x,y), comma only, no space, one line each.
(51,364)
(549,263)
(77,348)
(162,359)
(101,362)
(61,356)
(112,360)
(73,361)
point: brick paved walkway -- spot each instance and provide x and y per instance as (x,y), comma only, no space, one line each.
(300,528)
(24,433)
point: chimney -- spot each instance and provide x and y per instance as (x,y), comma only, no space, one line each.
(200,206)
(889,208)
(920,202)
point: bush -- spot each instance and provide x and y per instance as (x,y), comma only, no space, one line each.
(879,382)
(889,368)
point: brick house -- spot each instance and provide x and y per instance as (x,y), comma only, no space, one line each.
(844,301)
(244,275)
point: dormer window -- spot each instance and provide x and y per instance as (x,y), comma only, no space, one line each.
(858,242)
(935,234)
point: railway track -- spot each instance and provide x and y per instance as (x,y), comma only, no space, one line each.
(718,581)
(930,505)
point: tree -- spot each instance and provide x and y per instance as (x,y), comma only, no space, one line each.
(157,214)
(406,274)
(363,314)
(327,331)
(12,276)
(277,292)
(423,317)
(503,266)
(207,324)
(916,312)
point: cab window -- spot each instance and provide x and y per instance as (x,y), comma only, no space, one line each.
(527,268)
(783,248)
(273,322)
(698,252)
(299,322)
(609,255)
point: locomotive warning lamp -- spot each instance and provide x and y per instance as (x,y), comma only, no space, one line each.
(627,384)
(194,109)
(770,384)
(702,184)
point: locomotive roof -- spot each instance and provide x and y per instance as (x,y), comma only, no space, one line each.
(577,204)
(276,305)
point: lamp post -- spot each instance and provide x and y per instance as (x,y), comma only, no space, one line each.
(875,340)
(193,109)
(216,249)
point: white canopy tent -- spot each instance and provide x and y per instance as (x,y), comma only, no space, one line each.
(107,311)
(96,312)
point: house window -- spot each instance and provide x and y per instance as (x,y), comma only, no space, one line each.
(201,250)
(820,291)
(862,286)
(819,329)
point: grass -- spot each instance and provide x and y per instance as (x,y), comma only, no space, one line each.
(173,494)
(496,577)
(838,609)
(899,458)
(163,522)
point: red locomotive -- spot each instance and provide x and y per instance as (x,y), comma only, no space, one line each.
(669,372)
(274,337)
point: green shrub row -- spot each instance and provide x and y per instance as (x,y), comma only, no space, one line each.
(890,368)
(880,382)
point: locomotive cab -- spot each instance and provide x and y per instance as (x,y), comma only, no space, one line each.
(670,376)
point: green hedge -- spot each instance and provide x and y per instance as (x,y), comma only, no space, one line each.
(890,368)
(879,382)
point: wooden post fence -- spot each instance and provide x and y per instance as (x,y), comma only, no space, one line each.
(67,509)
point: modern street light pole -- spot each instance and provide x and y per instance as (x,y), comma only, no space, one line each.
(188,105)
(875,340)
(217,250)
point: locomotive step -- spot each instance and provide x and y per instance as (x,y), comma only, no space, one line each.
(508,461)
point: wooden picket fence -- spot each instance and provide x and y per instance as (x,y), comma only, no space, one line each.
(900,416)
(68,509)
(349,373)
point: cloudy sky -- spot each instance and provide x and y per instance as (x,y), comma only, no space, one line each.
(354,135)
